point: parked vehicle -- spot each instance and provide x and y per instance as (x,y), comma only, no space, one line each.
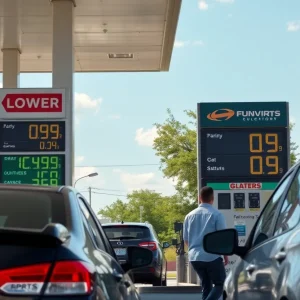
(123,235)
(268,265)
(53,247)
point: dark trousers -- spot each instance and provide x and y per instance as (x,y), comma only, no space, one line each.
(211,273)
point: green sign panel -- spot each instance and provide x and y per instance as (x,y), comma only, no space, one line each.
(32,169)
(243,114)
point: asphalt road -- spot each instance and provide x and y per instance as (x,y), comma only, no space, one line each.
(171,292)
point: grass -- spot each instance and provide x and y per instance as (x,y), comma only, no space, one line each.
(171,275)
(170,254)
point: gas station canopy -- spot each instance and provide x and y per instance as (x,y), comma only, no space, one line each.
(109,35)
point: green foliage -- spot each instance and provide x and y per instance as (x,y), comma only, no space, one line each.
(176,145)
(160,211)
(294,148)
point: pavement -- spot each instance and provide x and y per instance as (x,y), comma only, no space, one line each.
(170,292)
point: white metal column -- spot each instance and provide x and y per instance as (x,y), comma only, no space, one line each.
(63,69)
(11,68)
(11,44)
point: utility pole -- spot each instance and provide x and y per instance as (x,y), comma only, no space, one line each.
(90,196)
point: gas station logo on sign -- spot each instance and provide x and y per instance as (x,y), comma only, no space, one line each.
(245,186)
(223,114)
(29,103)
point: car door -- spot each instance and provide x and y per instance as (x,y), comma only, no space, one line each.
(122,282)
(256,275)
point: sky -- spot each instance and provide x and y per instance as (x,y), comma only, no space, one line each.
(225,50)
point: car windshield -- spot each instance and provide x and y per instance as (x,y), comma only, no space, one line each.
(30,210)
(127,232)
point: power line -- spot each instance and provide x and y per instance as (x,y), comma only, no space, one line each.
(112,166)
(94,188)
(109,194)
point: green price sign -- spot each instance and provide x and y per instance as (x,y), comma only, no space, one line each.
(45,170)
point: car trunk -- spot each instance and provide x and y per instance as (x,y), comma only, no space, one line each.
(123,236)
(28,242)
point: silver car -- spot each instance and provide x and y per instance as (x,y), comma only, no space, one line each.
(268,265)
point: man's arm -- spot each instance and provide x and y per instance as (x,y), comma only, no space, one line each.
(185,232)
(220,225)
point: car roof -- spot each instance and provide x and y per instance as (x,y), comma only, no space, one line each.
(127,223)
(28,187)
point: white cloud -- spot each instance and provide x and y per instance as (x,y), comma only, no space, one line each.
(84,101)
(139,181)
(225,1)
(292,119)
(79,159)
(181,44)
(202,5)
(146,137)
(293,26)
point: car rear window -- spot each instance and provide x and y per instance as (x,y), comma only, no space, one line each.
(30,209)
(127,232)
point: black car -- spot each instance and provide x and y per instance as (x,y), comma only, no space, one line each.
(53,246)
(123,235)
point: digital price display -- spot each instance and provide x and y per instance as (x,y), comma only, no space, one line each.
(239,200)
(32,136)
(42,170)
(244,153)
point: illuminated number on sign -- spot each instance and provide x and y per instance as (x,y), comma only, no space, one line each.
(33,132)
(54,162)
(272,140)
(45,162)
(259,160)
(22,162)
(53,178)
(253,137)
(54,129)
(44,130)
(36,181)
(272,162)
(35,162)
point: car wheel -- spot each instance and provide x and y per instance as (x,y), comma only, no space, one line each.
(164,282)
(157,282)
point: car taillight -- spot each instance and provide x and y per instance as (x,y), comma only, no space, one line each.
(67,278)
(149,245)
(24,280)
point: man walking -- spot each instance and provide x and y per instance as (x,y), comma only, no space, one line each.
(209,267)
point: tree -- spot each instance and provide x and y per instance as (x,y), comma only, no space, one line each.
(294,148)
(160,211)
(176,145)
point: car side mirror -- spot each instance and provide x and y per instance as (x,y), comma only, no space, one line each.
(137,257)
(222,242)
(166,245)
